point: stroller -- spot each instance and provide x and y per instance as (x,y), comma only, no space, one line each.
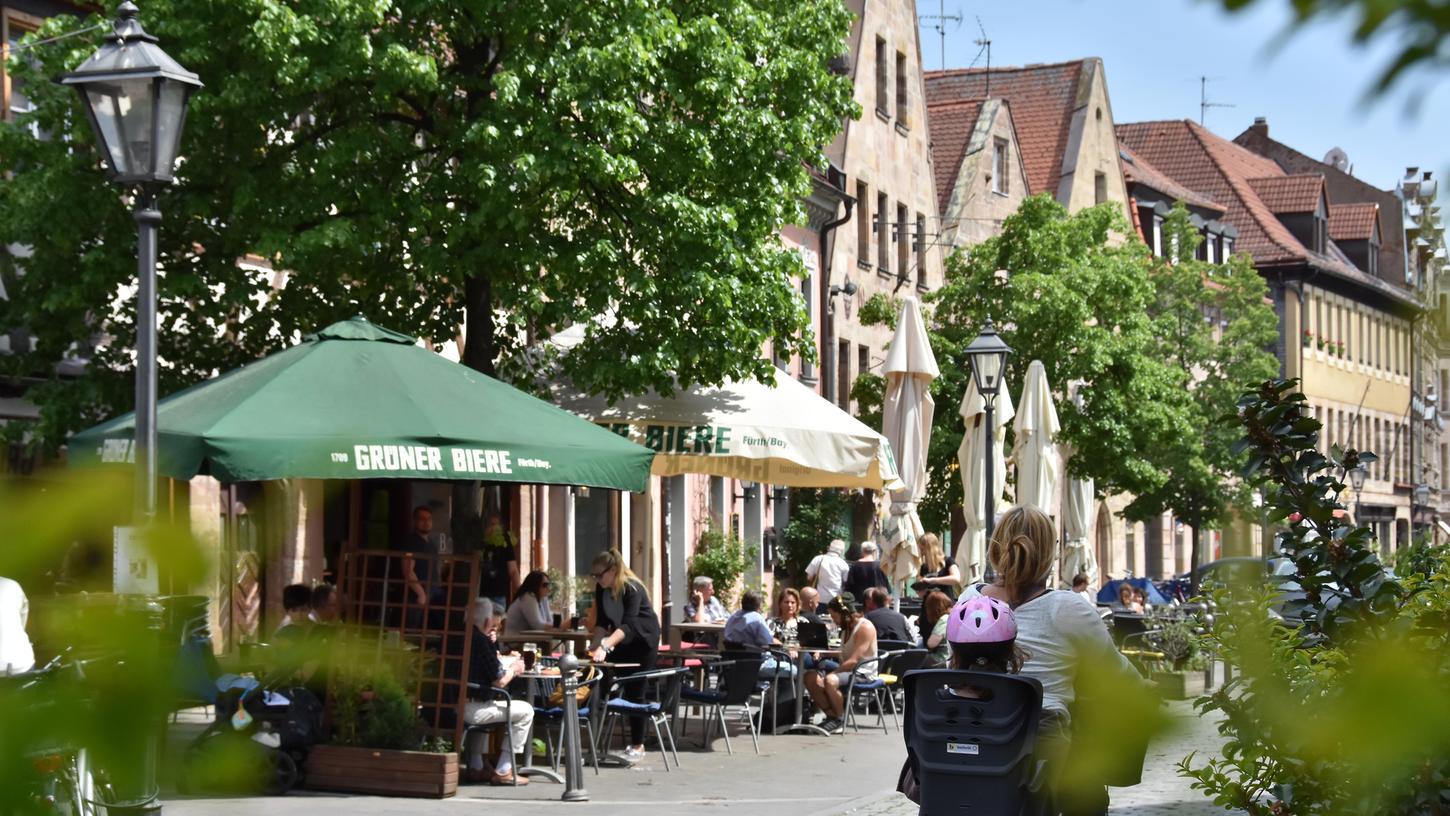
(260,737)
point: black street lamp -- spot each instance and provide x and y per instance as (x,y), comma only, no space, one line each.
(988,357)
(136,98)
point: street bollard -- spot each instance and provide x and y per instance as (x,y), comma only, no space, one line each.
(573,759)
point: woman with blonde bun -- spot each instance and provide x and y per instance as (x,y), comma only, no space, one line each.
(1056,630)
(1054,627)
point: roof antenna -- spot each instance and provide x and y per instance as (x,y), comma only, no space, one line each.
(941,19)
(983,42)
(1203,103)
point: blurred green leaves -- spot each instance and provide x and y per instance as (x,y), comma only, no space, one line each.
(115,681)
(1339,707)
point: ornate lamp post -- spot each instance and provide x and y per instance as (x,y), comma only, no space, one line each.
(136,98)
(988,356)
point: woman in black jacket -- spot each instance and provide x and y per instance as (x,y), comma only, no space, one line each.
(626,630)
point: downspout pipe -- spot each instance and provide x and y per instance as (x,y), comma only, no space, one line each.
(828,314)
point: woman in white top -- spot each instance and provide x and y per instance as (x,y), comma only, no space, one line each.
(16,653)
(1055,629)
(827,687)
(530,608)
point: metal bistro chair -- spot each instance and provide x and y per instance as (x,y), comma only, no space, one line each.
(974,753)
(878,692)
(895,665)
(501,696)
(552,720)
(739,684)
(665,685)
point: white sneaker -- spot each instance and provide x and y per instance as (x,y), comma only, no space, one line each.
(632,755)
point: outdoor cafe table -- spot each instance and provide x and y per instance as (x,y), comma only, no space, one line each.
(678,629)
(534,679)
(800,725)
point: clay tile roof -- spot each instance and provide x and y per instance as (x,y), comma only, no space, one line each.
(1289,194)
(1201,160)
(1353,222)
(1042,99)
(951,126)
(1138,170)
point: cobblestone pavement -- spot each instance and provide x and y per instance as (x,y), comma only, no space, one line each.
(794,775)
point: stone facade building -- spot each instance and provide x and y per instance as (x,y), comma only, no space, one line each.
(1345,323)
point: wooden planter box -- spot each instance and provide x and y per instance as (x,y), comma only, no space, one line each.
(1174,685)
(382,772)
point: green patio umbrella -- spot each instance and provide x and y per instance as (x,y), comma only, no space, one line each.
(357,401)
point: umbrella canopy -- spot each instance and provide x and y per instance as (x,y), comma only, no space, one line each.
(784,435)
(1035,446)
(971,552)
(906,415)
(1077,521)
(356,400)
(1109,592)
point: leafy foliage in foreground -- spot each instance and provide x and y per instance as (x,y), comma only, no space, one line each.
(1340,706)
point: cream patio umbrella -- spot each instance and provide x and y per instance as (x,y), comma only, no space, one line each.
(1035,446)
(971,550)
(906,415)
(1077,521)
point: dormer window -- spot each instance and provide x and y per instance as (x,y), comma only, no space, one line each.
(1321,226)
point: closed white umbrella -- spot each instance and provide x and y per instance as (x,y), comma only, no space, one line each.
(971,551)
(1077,523)
(1035,446)
(906,415)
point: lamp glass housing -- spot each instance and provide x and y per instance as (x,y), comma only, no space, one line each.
(988,355)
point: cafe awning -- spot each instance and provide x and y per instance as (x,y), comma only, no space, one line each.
(786,435)
(358,401)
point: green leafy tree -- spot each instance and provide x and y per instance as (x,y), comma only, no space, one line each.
(817,516)
(1338,705)
(1077,297)
(515,167)
(1213,327)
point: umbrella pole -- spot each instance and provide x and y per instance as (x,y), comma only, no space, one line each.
(989,506)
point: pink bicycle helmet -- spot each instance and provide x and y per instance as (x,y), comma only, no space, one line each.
(981,620)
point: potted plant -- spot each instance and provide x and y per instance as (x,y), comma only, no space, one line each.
(1339,347)
(1179,675)
(379,745)
(1308,338)
(722,557)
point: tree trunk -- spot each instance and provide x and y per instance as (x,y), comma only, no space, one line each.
(480,348)
(1195,559)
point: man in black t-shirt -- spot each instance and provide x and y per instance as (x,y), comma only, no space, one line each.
(500,563)
(890,624)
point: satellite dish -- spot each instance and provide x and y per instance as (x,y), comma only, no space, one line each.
(1338,159)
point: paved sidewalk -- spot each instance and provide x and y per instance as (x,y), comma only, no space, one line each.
(794,775)
(1162,792)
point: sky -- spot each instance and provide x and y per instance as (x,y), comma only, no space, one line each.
(1310,83)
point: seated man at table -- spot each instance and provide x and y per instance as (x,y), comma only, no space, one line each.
(748,631)
(890,624)
(704,607)
(810,601)
(487,669)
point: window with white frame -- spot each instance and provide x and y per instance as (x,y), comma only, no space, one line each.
(999,167)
